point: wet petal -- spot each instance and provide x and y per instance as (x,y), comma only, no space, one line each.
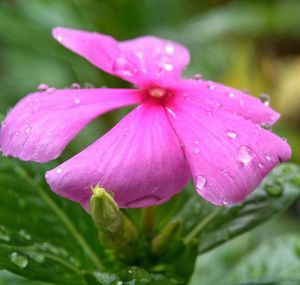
(140,160)
(142,61)
(214,96)
(228,155)
(43,123)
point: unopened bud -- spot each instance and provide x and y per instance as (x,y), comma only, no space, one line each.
(105,211)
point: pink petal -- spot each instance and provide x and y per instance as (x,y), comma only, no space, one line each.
(140,160)
(43,123)
(142,61)
(215,95)
(228,155)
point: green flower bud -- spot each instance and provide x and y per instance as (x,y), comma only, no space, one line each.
(105,212)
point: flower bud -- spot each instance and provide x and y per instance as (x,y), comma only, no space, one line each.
(105,211)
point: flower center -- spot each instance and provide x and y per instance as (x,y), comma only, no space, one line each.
(157,92)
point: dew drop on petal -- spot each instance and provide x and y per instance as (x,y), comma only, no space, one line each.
(20,260)
(245,154)
(168,66)
(50,90)
(123,68)
(265,99)
(266,126)
(200,182)
(196,150)
(268,157)
(59,170)
(231,95)
(196,142)
(60,38)
(76,100)
(75,86)
(27,129)
(42,87)
(197,76)
(260,165)
(231,134)
(169,49)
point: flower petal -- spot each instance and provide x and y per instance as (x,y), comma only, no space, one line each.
(142,61)
(43,123)
(140,160)
(228,155)
(215,95)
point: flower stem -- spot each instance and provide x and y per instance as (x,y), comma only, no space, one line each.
(194,232)
(148,219)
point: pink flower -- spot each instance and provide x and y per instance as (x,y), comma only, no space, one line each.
(181,128)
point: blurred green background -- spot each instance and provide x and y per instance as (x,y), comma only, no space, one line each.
(248,44)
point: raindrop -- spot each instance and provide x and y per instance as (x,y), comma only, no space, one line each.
(168,66)
(25,235)
(268,156)
(60,38)
(18,259)
(75,86)
(4,235)
(169,49)
(231,95)
(245,154)
(124,68)
(37,257)
(27,129)
(76,100)
(197,76)
(260,165)
(265,99)
(231,134)
(266,126)
(224,202)
(42,87)
(196,142)
(196,150)
(50,90)
(59,170)
(210,86)
(274,189)
(200,182)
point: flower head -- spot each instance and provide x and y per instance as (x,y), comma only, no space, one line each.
(181,128)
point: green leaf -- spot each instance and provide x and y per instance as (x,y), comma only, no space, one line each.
(274,262)
(42,236)
(213,225)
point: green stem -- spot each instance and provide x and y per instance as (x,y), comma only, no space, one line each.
(148,219)
(194,232)
(66,221)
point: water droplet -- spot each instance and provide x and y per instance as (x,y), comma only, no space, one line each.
(266,126)
(260,165)
(20,260)
(37,257)
(25,235)
(231,134)
(268,157)
(196,142)
(27,129)
(49,134)
(75,86)
(245,154)
(50,90)
(42,87)
(224,202)
(4,234)
(76,100)
(88,85)
(59,170)
(274,189)
(196,150)
(265,98)
(143,202)
(168,66)
(59,38)
(139,54)
(170,49)
(171,112)
(210,86)
(231,95)
(124,68)
(200,182)
(197,76)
